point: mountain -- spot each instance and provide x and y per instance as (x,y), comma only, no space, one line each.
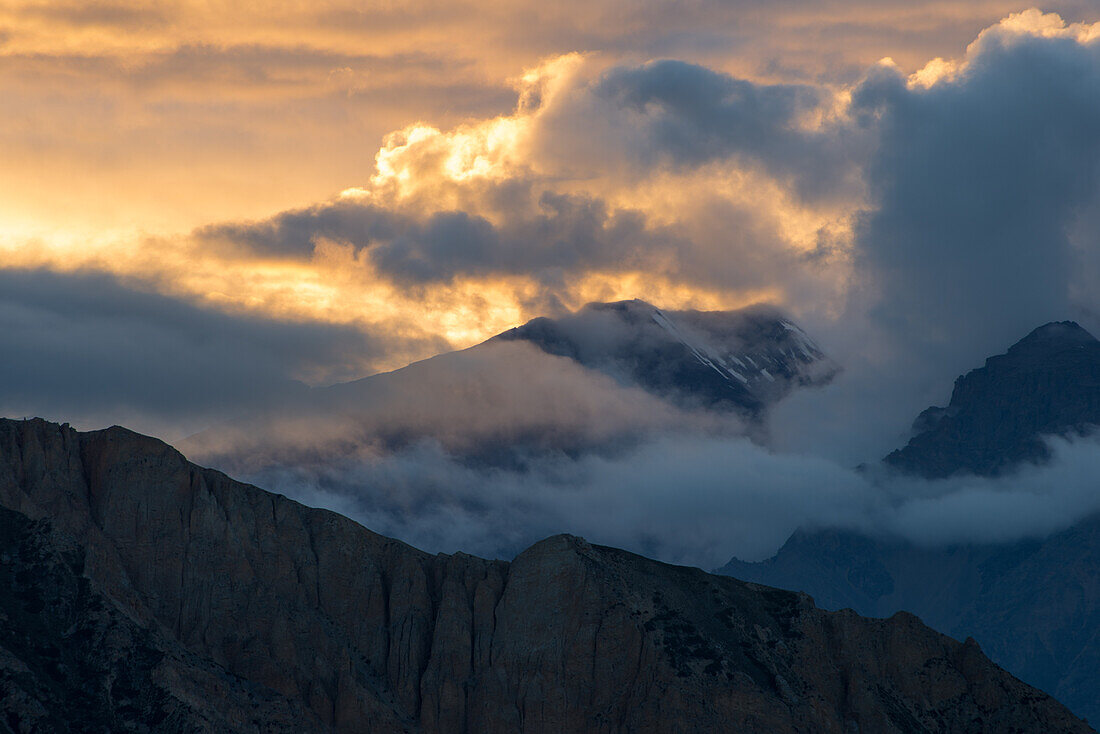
(598,380)
(1033,605)
(1047,383)
(741,361)
(142,592)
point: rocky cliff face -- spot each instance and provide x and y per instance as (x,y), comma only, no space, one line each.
(73,660)
(183,596)
(1047,383)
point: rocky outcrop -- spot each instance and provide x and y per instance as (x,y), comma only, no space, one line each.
(221,581)
(1047,383)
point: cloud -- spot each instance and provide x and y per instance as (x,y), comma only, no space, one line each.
(977,180)
(230,110)
(1033,503)
(681,115)
(982,175)
(578,179)
(557,234)
(104,14)
(683,499)
(500,404)
(90,349)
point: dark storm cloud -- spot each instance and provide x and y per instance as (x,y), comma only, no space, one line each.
(979,188)
(977,183)
(563,233)
(88,348)
(685,115)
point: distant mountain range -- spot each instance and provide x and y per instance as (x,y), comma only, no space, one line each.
(1034,605)
(139,592)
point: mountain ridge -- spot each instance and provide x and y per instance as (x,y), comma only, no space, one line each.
(368,633)
(724,359)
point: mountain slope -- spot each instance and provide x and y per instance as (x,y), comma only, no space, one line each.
(1034,605)
(1047,383)
(593,382)
(372,635)
(72,660)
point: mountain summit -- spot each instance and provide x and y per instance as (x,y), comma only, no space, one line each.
(1048,383)
(742,360)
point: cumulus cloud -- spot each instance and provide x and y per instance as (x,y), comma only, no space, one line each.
(663,168)
(638,119)
(977,181)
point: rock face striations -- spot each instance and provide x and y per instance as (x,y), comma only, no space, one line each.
(1047,383)
(143,592)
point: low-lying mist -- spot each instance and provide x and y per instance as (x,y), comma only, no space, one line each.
(691,500)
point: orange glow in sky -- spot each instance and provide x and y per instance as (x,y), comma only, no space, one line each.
(129,126)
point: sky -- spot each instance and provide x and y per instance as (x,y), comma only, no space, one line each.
(206,207)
